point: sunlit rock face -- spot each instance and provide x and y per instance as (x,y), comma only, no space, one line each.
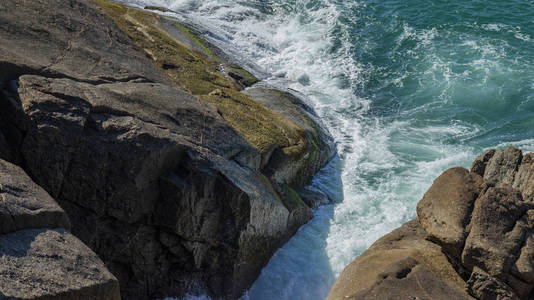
(473,237)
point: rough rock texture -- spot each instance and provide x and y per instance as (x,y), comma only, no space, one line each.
(498,226)
(502,166)
(24,204)
(484,286)
(400,265)
(41,263)
(52,264)
(444,210)
(525,176)
(287,165)
(482,221)
(313,197)
(164,167)
(54,38)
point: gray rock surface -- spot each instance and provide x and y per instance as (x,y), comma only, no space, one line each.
(501,168)
(483,225)
(479,165)
(68,39)
(313,197)
(52,264)
(24,204)
(525,176)
(497,229)
(41,263)
(149,166)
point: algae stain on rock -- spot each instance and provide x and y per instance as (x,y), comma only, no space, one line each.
(195,39)
(291,198)
(158,8)
(193,72)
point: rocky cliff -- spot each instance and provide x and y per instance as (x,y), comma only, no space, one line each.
(178,180)
(472,239)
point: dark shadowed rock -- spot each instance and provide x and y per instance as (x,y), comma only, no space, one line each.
(287,165)
(479,165)
(524,265)
(41,263)
(24,204)
(52,264)
(126,127)
(146,165)
(313,197)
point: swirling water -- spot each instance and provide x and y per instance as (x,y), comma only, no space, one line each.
(408,89)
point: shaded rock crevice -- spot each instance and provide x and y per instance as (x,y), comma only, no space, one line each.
(39,258)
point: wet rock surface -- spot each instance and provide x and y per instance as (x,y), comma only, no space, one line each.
(481,221)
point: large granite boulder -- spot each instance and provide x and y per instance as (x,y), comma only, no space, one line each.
(482,221)
(165,168)
(400,265)
(67,39)
(24,204)
(52,264)
(444,210)
(37,262)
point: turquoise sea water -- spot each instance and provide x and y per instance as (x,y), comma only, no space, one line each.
(408,88)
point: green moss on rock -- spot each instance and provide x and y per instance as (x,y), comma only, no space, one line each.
(108,5)
(158,8)
(192,72)
(291,198)
(187,68)
(259,125)
(196,39)
(241,75)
